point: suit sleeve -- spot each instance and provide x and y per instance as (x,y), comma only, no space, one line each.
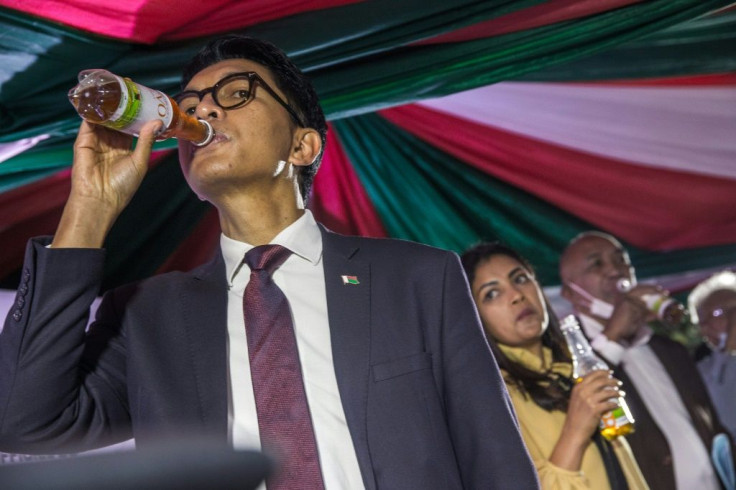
(61,388)
(482,422)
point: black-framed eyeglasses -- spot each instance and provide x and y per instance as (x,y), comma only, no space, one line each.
(233,91)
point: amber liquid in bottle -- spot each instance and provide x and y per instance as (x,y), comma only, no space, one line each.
(99,104)
(617,422)
(121,104)
(187,127)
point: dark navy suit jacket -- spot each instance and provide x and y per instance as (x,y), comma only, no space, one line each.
(423,398)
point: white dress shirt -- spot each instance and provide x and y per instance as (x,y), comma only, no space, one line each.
(301,278)
(691,460)
(719,375)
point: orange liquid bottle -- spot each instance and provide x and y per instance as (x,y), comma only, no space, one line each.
(669,311)
(104,98)
(617,422)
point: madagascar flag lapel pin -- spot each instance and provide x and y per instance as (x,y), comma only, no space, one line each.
(350,280)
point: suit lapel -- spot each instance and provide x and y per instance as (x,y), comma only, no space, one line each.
(204,301)
(689,394)
(348,307)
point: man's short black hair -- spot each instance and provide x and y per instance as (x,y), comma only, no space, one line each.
(297,88)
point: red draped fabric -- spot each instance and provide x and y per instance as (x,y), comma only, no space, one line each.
(339,200)
(198,248)
(23,215)
(710,80)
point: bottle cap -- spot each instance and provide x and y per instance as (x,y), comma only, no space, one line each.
(623,285)
(210,134)
(569,323)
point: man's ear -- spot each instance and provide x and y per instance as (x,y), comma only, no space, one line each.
(306,146)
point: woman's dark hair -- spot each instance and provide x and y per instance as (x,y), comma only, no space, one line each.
(548,390)
(297,88)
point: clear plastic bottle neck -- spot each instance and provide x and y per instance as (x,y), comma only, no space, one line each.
(584,359)
(576,341)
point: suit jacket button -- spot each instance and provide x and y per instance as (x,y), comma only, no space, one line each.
(17,315)
(20,302)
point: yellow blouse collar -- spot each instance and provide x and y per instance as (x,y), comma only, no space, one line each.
(530,361)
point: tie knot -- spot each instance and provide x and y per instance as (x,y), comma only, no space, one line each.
(266,257)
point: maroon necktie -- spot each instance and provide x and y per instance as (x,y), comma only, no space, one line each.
(284,422)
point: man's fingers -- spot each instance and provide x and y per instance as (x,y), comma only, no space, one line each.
(146,139)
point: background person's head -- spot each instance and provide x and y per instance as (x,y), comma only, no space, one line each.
(510,302)
(515,312)
(296,86)
(711,303)
(594,262)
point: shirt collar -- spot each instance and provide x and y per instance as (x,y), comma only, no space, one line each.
(593,328)
(530,361)
(302,237)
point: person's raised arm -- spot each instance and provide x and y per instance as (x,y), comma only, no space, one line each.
(106,173)
(589,400)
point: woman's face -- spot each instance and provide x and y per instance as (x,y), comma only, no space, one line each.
(510,302)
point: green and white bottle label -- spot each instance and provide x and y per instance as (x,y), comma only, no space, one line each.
(138,105)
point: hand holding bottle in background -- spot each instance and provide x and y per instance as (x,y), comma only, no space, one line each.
(665,308)
(635,306)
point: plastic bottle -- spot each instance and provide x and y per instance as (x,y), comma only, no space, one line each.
(668,310)
(617,422)
(104,98)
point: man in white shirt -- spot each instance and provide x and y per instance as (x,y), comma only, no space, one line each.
(712,305)
(400,385)
(675,420)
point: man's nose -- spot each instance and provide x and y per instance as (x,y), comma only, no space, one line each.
(208,108)
(612,269)
(517,295)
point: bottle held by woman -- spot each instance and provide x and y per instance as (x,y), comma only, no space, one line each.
(617,422)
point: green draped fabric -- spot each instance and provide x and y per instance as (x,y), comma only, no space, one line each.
(46,158)
(44,59)
(46,56)
(430,71)
(359,61)
(701,46)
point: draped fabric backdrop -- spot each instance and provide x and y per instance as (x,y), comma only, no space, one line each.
(450,122)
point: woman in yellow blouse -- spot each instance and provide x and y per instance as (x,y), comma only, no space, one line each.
(558,418)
